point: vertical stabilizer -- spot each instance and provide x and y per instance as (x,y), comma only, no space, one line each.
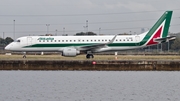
(159,30)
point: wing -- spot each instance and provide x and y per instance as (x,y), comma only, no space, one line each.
(101,45)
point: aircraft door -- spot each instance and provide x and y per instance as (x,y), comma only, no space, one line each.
(29,40)
(137,39)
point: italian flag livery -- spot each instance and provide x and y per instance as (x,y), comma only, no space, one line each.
(74,45)
(159,30)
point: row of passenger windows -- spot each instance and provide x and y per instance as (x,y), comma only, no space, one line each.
(83,40)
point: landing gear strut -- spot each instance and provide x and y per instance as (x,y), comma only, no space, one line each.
(24,54)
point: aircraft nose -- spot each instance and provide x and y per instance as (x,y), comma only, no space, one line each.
(7,47)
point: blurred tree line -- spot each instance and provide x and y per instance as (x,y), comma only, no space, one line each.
(85,33)
(5,41)
(176,43)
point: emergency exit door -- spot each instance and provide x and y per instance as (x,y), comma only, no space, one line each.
(29,40)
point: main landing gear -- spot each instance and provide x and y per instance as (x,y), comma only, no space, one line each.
(89,55)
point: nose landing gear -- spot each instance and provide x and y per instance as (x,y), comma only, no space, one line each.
(24,54)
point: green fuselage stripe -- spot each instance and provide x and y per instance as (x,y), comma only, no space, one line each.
(81,44)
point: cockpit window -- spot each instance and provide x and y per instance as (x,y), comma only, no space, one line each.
(18,41)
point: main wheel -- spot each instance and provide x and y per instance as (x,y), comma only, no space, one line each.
(88,56)
(91,56)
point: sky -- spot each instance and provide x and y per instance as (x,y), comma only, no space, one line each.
(39,17)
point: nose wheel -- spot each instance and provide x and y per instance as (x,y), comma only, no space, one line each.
(24,54)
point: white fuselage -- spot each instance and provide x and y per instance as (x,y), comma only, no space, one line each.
(58,43)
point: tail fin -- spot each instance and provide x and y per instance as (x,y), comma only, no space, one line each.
(159,30)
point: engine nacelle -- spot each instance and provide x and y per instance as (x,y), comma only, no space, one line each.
(70,52)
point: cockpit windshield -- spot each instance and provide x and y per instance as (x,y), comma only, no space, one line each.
(17,41)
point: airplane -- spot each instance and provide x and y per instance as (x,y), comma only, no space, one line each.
(71,46)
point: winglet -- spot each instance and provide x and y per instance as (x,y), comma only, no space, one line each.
(112,40)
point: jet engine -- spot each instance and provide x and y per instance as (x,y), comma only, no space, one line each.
(70,52)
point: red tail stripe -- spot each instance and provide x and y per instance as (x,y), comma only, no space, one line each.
(156,35)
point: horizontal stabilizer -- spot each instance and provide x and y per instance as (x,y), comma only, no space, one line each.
(166,39)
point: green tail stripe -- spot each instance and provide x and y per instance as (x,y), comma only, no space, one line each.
(167,24)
